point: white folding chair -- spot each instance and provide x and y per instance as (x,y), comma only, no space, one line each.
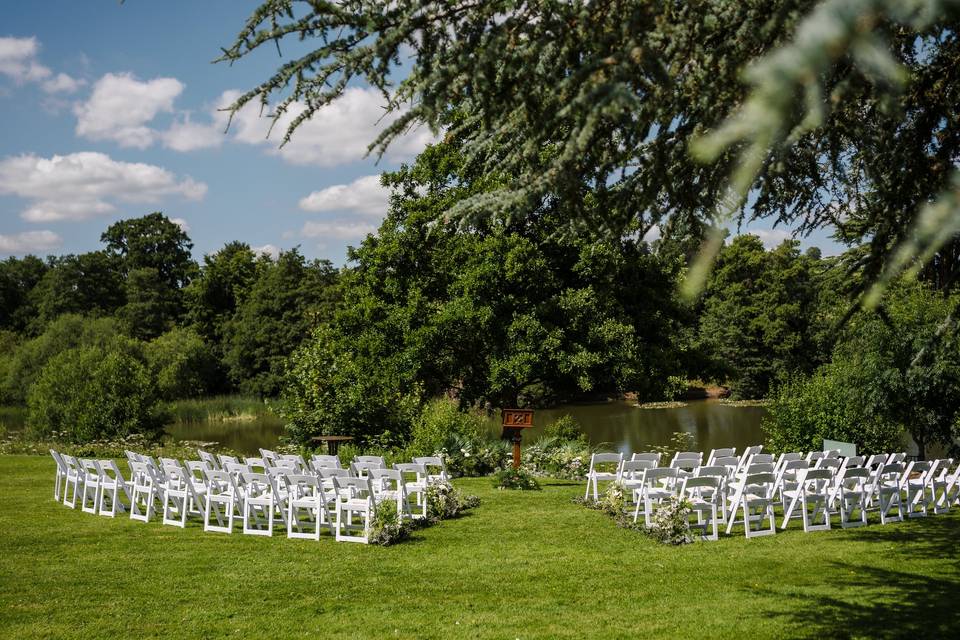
(181,497)
(325,462)
(258,504)
(917,482)
(754,496)
(813,490)
(415,484)
(74,478)
(657,485)
(388,486)
(685,462)
(603,468)
(722,474)
(784,458)
(300,465)
(728,452)
(853,486)
(788,480)
(223,501)
(647,456)
(630,476)
(307,504)
(91,485)
(147,491)
(435,466)
(209,458)
(944,483)
(112,487)
(355,499)
(701,492)
(888,487)
(269,457)
(60,476)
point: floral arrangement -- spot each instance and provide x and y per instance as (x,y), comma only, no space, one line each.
(518,479)
(444,501)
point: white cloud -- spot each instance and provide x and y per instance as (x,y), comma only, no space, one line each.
(180,222)
(337,230)
(86,184)
(18,61)
(771,238)
(365,196)
(336,134)
(185,135)
(62,83)
(121,106)
(29,242)
(267,250)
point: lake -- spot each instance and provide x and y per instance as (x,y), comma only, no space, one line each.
(618,424)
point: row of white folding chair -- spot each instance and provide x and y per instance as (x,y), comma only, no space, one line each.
(236,491)
(98,484)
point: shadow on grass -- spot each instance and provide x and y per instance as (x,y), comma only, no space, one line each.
(877,603)
(863,601)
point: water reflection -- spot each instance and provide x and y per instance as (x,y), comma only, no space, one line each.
(626,428)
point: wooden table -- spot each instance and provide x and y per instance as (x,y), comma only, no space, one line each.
(333,442)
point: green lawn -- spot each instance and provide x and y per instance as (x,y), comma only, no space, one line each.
(523,565)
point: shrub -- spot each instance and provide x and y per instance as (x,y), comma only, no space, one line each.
(467,455)
(90,393)
(439,421)
(184,365)
(517,479)
(565,428)
(568,459)
(828,404)
(66,332)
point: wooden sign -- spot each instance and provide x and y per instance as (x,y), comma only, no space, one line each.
(517,418)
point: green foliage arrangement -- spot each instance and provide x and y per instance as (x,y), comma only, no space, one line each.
(444,501)
(565,428)
(515,479)
(388,527)
(670,523)
(91,393)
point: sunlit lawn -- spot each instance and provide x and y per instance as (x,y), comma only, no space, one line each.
(523,565)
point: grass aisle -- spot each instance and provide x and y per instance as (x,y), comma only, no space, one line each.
(522,565)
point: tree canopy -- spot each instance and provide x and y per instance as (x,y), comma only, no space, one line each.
(846,119)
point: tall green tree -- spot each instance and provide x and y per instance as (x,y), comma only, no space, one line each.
(848,120)
(759,314)
(18,277)
(501,312)
(221,286)
(290,297)
(89,283)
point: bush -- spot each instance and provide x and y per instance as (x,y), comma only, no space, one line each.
(568,459)
(518,479)
(830,404)
(440,419)
(91,393)
(66,332)
(184,365)
(474,455)
(565,428)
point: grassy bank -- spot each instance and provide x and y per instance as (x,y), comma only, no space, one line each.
(234,408)
(523,565)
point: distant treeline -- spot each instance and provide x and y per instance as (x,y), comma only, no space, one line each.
(225,325)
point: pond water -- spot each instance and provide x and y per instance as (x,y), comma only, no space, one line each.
(619,424)
(624,427)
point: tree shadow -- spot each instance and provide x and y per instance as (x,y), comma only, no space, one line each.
(875,603)
(865,601)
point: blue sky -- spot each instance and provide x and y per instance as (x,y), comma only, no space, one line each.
(109,111)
